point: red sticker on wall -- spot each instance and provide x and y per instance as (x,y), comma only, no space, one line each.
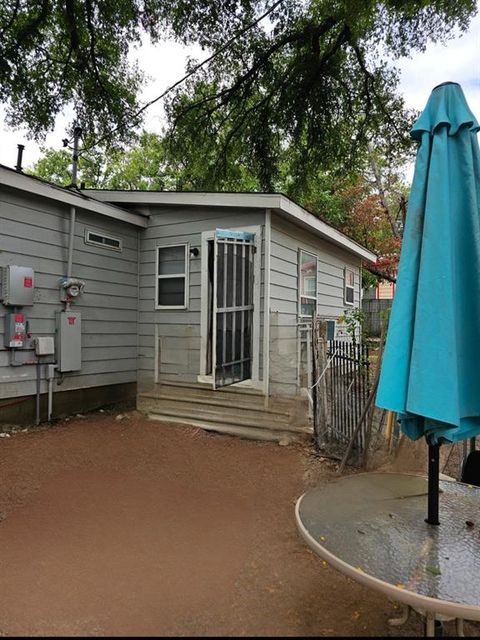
(19,317)
(71,319)
(27,283)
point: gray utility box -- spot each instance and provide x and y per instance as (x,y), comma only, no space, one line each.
(18,285)
(69,340)
(15,334)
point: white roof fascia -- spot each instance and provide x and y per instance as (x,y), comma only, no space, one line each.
(277,202)
(189,198)
(306,219)
(22,182)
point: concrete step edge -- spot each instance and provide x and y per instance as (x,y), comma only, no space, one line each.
(233,403)
(201,386)
(245,432)
(222,418)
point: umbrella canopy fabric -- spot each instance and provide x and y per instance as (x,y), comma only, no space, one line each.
(431,366)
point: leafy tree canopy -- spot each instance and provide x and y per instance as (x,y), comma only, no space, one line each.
(142,166)
(312,76)
(318,85)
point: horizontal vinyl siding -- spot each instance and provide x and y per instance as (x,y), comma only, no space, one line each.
(286,241)
(178,330)
(34,232)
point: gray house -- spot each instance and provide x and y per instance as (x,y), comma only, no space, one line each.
(199,303)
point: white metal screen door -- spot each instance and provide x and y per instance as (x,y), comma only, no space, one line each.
(232,306)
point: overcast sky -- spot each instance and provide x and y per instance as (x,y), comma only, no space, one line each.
(459,61)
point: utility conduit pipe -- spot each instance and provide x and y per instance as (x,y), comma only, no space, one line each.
(71,239)
(50,376)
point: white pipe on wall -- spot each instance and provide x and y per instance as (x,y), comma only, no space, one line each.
(50,399)
(50,376)
(70,241)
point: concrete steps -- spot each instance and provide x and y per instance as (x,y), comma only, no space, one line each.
(236,411)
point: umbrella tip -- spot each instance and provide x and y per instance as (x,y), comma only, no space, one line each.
(443,84)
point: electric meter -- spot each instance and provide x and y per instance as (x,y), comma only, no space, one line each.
(71,288)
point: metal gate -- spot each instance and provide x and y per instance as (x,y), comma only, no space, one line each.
(340,391)
(232,306)
(349,389)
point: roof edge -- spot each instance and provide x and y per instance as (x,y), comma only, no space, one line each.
(24,182)
(275,201)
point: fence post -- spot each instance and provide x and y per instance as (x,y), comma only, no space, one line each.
(322,362)
(319,384)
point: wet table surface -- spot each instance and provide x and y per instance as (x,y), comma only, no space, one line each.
(371,526)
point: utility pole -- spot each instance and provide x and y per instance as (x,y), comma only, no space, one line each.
(77,132)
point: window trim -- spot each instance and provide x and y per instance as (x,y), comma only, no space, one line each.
(350,286)
(185,275)
(300,296)
(99,232)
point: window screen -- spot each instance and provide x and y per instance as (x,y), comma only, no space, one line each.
(172,276)
(308,283)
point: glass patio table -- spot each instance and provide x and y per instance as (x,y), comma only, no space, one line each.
(371,527)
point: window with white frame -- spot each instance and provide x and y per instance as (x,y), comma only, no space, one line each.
(308,283)
(349,286)
(172,277)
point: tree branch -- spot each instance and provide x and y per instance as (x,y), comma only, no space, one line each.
(380,274)
(71,23)
(12,19)
(28,30)
(245,80)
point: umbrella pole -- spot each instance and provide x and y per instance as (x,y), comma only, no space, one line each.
(433,483)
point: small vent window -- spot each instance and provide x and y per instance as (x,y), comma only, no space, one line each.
(99,239)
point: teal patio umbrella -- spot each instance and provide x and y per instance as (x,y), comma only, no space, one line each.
(430,372)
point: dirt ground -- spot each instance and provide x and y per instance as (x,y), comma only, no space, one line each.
(123,527)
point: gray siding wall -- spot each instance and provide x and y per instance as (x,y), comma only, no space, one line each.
(34,233)
(178,331)
(286,241)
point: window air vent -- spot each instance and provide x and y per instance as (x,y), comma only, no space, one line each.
(99,239)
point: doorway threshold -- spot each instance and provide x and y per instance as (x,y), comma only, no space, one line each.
(247,384)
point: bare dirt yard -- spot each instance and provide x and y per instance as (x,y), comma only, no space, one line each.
(123,527)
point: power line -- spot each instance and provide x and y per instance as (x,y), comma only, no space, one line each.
(189,74)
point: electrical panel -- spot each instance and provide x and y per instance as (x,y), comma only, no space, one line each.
(15,334)
(69,341)
(18,285)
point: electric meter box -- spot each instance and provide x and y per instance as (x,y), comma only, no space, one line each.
(15,333)
(18,285)
(69,340)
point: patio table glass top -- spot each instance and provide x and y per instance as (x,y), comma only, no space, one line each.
(374,524)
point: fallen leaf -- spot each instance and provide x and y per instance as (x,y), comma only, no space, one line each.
(469,523)
(433,570)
